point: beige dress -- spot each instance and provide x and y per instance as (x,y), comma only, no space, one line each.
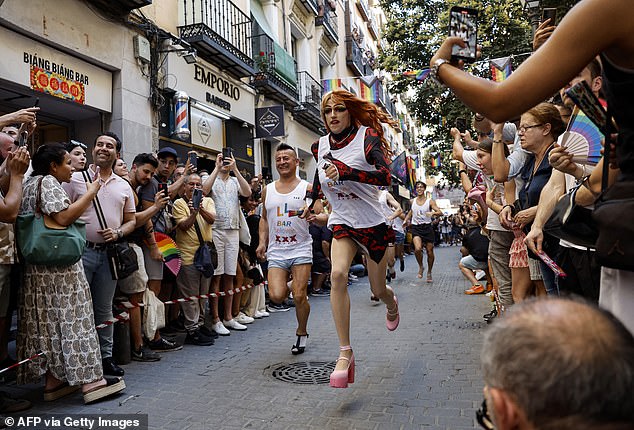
(55,313)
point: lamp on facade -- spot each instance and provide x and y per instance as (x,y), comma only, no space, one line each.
(182,49)
(532,9)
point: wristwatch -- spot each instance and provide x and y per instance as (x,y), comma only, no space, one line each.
(119,233)
(434,70)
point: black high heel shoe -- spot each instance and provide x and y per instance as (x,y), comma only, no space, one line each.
(297,349)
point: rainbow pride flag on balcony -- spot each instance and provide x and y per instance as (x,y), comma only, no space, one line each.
(501,68)
(331,84)
(436,160)
(369,93)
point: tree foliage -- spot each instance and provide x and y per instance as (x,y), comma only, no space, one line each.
(414,31)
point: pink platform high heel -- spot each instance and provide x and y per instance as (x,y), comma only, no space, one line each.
(341,378)
(392,325)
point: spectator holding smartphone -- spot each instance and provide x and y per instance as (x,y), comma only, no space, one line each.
(606,30)
(190,281)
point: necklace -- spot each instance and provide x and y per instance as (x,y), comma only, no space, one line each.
(541,158)
(338,142)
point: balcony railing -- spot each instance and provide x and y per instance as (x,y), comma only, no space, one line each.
(276,71)
(355,59)
(220,32)
(328,19)
(364,8)
(310,93)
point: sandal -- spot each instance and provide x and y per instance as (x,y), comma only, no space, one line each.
(57,393)
(392,325)
(299,346)
(112,386)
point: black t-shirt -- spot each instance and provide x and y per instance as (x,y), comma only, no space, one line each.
(477,244)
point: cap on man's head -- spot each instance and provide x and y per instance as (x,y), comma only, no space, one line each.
(167,151)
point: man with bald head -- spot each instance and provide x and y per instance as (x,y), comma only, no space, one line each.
(558,364)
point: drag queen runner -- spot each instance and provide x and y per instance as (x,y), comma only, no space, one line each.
(351,164)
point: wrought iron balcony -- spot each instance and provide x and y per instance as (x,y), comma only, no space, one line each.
(275,71)
(221,34)
(355,59)
(328,19)
(307,112)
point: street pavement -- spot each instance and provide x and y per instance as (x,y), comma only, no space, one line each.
(426,374)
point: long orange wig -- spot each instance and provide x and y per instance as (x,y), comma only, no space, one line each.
(362,112)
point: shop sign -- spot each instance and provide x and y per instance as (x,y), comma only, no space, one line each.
(41,68)
(57,85)
(269,121)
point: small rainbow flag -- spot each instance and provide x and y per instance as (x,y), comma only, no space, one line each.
(331,84)
(170,252)
(500,68)
(436,160)
(419,75)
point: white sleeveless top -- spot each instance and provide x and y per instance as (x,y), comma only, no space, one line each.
(387,211)
(419,213)
(288,235)
(353,203)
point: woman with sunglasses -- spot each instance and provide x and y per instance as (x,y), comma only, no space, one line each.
(351,164)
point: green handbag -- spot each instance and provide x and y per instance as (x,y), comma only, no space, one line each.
(42,241)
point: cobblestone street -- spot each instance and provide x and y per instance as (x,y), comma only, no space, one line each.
(425,374)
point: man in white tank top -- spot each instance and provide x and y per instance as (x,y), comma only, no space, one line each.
(285,240)
(392,210)
(419,216)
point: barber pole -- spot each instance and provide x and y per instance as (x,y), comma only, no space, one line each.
(181,115)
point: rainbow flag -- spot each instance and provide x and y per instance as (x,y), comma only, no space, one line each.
(436,161)
(419,75)
(368,93)
(331,84)
(500,68)
(411,170)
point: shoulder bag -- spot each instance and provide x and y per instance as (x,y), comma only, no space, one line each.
(122,259)
(206,256)
(43,241)
(572,222)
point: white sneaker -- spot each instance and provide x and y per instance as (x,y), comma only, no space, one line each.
(264,313)
(244,319)
(220,329)
(257,315)
(234,325)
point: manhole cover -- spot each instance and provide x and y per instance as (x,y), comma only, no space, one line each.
(307,372)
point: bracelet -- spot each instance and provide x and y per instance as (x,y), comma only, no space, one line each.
(497,141)
(461,171)
(510,206)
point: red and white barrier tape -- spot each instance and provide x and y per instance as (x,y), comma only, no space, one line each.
(124,316)
(19,363)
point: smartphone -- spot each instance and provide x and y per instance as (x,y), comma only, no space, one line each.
(197,197)
(227,154)
(463,23)
(461,124)
(37,102)
(24,137)
(193,158)
(162,186)
(549,13)
(582,95)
